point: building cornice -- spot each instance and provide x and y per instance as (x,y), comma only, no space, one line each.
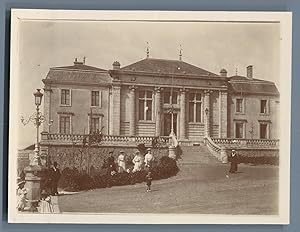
(49,81)
(170,75)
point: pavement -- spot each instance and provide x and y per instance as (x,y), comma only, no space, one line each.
(203,185)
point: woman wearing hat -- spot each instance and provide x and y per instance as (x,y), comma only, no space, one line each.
(21,194)
(233,162)
(148,158)
(137,161)
(121,162)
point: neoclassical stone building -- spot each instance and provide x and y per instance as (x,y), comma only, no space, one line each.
(152,97)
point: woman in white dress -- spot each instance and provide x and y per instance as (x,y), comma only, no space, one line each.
(137,161)
(121,162)
(45,205)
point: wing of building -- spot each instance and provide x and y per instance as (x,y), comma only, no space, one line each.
(154,97)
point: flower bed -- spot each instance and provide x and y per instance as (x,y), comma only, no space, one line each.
(72,180)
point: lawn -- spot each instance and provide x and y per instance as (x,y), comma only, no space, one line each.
(197,188)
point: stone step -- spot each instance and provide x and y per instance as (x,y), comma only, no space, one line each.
(197,154)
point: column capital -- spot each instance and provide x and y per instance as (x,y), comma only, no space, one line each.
(132,87)
(183,90)
(157,89)
(223,92)
(208,91)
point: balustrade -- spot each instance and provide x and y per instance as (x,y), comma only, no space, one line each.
(106,139)
(247,143)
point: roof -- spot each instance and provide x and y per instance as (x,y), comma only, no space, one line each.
(79,72)
(152,65)
(243,84)
(79,66)
(30,147)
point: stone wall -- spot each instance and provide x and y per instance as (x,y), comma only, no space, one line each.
(76,156)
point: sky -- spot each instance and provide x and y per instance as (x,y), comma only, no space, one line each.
(208,45)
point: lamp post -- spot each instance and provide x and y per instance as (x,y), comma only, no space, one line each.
(37,119)
(35,172)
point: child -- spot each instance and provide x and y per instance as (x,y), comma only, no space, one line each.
(148,181)
(21,194)
(45,205)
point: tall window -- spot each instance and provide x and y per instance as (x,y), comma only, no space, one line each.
(263,106)
(195,107)
(263,127)
(239,105)
(95,124)
(64,124)
(145,105)
(65,97)
(239,130)
(95,98)
(168,99)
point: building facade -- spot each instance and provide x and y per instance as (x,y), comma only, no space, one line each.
(154,97)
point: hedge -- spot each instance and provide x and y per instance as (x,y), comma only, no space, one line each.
(72,180)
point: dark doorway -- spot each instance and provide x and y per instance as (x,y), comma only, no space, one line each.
(167,123)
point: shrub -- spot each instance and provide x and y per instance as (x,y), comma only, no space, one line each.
(72,180)
(272,160)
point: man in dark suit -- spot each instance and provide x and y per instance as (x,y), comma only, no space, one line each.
(54,178)
(233,162)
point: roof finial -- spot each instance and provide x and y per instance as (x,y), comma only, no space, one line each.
(76,59)
(180,53)
(84,58)
(236,71)
(147,50)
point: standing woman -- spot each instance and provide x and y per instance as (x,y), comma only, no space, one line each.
(138,162)
(233,162)
(121,162)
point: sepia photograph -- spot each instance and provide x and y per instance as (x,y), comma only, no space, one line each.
(149,117)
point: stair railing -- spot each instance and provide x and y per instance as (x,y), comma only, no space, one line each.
(216,150)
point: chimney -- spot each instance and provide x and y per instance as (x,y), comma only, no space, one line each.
(76,62)
(250,72)
(116,65)
(223,72)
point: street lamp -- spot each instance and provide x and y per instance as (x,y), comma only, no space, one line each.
(37,119)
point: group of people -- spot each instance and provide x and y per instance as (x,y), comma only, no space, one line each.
(139,162)
(121,165)
(50,188)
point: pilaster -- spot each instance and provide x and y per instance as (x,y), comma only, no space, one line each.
(157,111)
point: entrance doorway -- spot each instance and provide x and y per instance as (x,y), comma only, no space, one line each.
(167,123)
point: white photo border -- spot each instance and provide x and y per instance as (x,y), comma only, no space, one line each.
(285,20)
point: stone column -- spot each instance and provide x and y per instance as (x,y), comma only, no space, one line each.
(182,126)
(223,114)
(116,109)
(157,111)
(207,112)
(132,111)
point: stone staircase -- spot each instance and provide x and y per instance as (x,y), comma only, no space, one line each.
(197,154)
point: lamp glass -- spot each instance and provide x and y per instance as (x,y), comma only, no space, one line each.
(38,97)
